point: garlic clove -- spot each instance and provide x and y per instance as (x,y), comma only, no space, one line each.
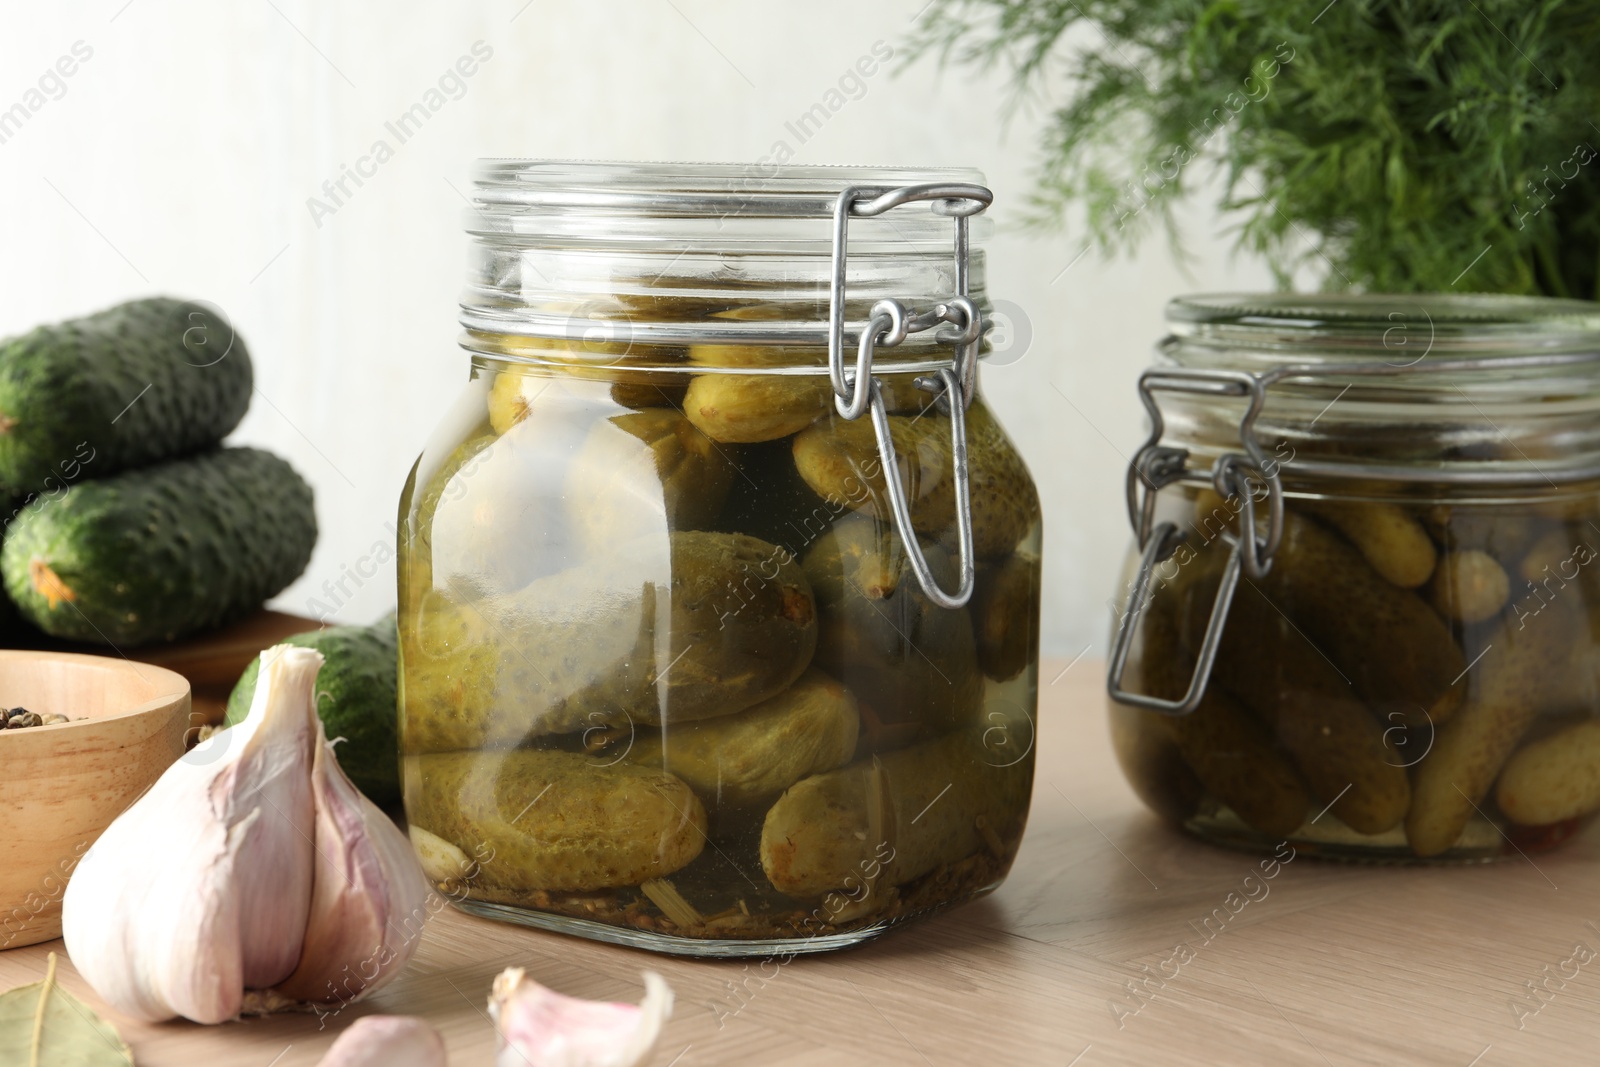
(369,899)
(202,888)
(441,861)
(538,1025)
(277,786)
(387,1041)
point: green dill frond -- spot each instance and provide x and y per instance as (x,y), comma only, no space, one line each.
(1390,144)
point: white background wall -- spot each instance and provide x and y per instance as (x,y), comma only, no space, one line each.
(181,156)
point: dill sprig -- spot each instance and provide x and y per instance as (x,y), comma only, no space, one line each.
(1397,145)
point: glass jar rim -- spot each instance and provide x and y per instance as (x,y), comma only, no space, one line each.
(687,190)
(1348,324)
(647,257)
(1397,388)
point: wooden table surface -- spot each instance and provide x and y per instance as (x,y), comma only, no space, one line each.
(1336,964)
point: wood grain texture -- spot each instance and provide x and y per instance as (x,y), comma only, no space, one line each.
(1335,964)
(65,783)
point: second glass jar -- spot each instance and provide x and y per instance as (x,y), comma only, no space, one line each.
(1416,674)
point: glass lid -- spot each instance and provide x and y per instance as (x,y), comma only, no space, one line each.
(1419,388)
(680,254)
(1444,323)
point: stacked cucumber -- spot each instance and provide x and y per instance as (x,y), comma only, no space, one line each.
(134,524)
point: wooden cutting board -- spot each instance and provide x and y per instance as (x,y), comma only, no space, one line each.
(211,661)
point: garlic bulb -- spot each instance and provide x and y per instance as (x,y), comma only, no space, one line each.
(539,1025)
(386,1041)
(251,876)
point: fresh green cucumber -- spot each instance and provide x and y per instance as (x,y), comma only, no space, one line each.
(157,553)
(13,631)
(356,698)
(135,384)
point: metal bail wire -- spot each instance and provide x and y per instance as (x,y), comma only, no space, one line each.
(1232,475)
(858,391)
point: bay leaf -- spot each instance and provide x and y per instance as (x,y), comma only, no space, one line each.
(42,1025)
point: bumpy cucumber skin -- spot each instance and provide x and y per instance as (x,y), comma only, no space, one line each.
(12,629)
(77,382)
(356,698)
(157,553)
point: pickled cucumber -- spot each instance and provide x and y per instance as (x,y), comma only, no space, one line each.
(905,658)
(1233,756)
(901,396)
(839,459)
(1546,555)
(650,391)
(1229,751)
(758,753)
(1152,764)
(642,471)
(517,390)
(665,630)
(1341,751)
(496,673)
(556,820)
(1503,536)
(1005,615)
(1398,653)
(1576,687)
(883,821)
(1511,683)
(1557,558)
(1005,504)
(587,370)
(743,627)
(1554,778)
(747,408)
(1470,586)
(508,404)
(1394,543)
(447,482)
(811,387)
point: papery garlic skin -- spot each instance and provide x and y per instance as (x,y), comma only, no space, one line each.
(369,898)
(202,888)
(387,1041)
(540,1026)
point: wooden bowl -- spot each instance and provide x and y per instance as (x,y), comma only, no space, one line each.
(64,784)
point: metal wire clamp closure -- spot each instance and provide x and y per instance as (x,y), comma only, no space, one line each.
(1232,475)
(856,391)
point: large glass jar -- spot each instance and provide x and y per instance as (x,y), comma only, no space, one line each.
(674,672)
(1368,621)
